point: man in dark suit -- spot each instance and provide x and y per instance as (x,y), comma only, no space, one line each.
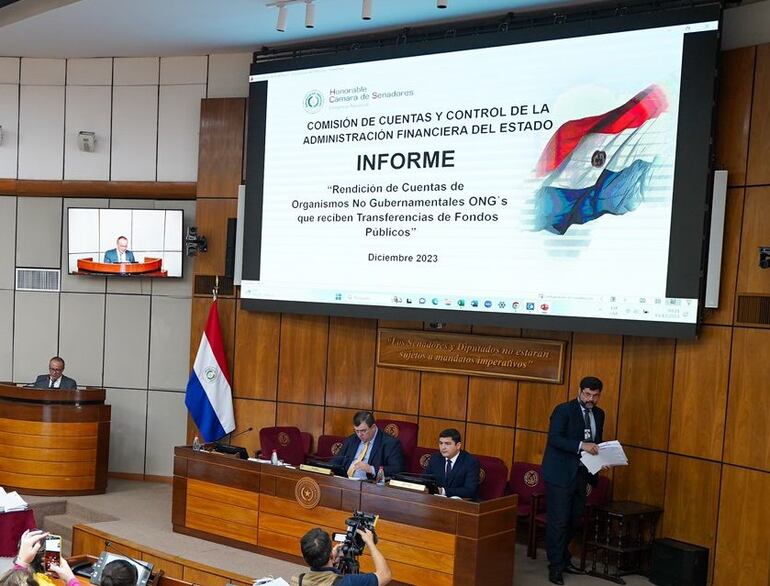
(55,378)
(369,448)
(576,426)
(455,470)
(120,253)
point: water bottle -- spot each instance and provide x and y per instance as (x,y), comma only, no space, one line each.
(380,478)
(197,444)
(274,458)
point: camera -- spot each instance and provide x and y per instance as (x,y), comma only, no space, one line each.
(764,257)
(353,545)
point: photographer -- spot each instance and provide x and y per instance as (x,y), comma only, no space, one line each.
(321,557)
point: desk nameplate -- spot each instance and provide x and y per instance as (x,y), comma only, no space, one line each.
(494,356)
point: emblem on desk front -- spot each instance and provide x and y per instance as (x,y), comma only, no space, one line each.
(392,429)
(283,439)
(307,492)
(531,478)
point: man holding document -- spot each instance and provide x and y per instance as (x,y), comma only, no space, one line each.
(575,427)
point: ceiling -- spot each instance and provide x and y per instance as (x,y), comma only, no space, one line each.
(124,28)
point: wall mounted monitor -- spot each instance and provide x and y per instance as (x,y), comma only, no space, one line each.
(553,178)
(127,243)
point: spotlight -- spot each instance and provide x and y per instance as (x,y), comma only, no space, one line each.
(442,3)
(280,26)
(366,10)
(309,14)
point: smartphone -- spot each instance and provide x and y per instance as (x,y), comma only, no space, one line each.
(340,537)
(52,551)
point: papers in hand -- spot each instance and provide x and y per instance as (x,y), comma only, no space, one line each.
(610,454)
(11,501)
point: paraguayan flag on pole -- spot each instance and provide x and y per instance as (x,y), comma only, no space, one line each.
(209,396)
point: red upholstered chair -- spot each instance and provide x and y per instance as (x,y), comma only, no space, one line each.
(328,446)
(526,481)
(405,431)
(287,441)
(420,456)
(493,477)
(597,495)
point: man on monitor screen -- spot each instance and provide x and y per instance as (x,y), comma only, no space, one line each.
(121,253)
(455,470)
(55,378)
(367,449)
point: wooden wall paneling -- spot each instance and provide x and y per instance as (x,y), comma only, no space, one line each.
(700,393)
(645,395)
(692,499)
(252,413)
(430,428)
(492,401)
(730,253)
(599,355)
(736,82)
(199,315)
(211,218)
(220,147)
(257,337)
(400,324)
(396,416)
(643,480)
(496,331)
(748,404)
(350,368)
(758,172)
(303,356)
(396,390)
(756,210)
(339,421)
(743,541)
(490,440)
(536,401)
(443,395)
(308,418)
(529,446)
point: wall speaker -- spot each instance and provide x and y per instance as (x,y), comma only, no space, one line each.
(676,563)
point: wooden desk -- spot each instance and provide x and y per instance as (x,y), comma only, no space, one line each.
(53,442)
(426,539)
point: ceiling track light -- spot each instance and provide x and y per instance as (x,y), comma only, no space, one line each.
(280,25)
(366,10)
(442,3)
(309,14)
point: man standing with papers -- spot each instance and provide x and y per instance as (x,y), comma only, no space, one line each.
(575,427)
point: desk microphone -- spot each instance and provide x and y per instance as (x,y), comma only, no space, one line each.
(230,436)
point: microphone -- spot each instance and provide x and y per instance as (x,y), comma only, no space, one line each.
(230,436)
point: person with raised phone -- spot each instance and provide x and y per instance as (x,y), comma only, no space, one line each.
(30,545)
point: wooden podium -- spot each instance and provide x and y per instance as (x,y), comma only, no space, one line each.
(53,442)
(150,267)
(427,540)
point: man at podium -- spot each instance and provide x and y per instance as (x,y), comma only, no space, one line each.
(120,253)
(55,378)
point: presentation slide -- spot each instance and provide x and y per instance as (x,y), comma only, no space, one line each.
(534,178)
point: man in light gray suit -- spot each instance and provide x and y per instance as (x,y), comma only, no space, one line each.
(55,378)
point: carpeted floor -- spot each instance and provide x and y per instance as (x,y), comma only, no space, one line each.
(142,513)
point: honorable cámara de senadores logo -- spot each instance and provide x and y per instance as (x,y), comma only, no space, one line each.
(314,101)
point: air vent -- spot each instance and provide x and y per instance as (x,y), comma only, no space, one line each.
(37,279)
(204,285)
(753,309)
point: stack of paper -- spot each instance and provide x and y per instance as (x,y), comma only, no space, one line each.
(11,501)
(610,454)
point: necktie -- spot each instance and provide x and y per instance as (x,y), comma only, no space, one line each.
(448,469)
(587,417)
(362,455)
